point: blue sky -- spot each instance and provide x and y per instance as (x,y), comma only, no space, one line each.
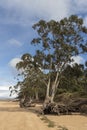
(16,33)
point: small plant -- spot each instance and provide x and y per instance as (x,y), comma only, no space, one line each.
(38,115)
(62,128)
(46,120)
(51,124)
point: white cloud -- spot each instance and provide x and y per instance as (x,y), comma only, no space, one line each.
(79,6)
(4,87)
(26,11)
(12,65)
(14,42)
(78,60)
(14,61)
(28,7)
(5,93)
(85,21)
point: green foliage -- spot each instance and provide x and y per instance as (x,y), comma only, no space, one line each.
(73,83)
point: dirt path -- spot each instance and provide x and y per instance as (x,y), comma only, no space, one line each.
(14,118)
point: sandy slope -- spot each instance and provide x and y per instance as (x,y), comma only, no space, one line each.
(14,118)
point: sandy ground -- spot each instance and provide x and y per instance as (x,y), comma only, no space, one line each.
(14,118)
(71,122)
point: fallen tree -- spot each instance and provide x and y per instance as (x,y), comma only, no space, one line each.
(77,105)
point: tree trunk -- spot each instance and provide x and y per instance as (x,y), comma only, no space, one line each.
(48,90)
(52,95)
(36,95)
(54,87)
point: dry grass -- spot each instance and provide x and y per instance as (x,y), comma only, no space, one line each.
(49,122)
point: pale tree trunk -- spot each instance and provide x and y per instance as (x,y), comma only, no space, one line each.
(50,97)
(48,89)
(36,95)
(54,87)
(57,81)
(47,98)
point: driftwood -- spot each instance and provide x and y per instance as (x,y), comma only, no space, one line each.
(79,105)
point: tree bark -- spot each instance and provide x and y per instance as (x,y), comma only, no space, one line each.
(54,87)
(48,90)
(36,95)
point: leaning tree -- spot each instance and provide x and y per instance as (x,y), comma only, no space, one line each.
(58,43)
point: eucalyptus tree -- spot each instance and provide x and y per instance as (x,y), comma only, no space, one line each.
(57,43)
(30,84)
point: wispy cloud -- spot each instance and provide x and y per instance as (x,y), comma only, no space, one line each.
(14,42)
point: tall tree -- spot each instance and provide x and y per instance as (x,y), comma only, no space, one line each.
(57,43)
